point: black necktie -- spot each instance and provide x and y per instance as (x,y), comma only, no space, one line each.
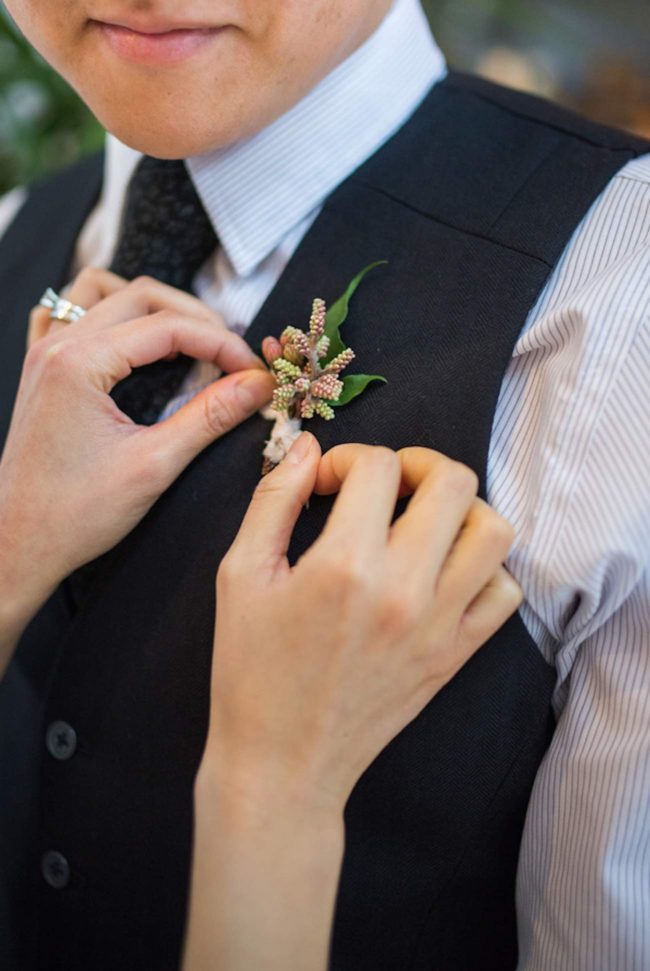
(165,233)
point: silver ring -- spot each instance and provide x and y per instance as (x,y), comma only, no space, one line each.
(66,311)
(60,308)
(49,298)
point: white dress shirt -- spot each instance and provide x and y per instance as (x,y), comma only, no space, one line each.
(569,466)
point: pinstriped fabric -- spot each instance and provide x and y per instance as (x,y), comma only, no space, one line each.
(569,465)
(577,347)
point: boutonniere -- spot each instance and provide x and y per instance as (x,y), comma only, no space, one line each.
(307,367)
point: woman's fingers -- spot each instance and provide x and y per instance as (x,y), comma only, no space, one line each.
(109,300)
(209,415)
(92,285)
(451,641)
(335,464)
(482,546)
(369,478)
(265,533)
(140,298)
(447,545)
(498,600)
(39,325)
(89,288)
(116,301)
(117,350)
(443,493)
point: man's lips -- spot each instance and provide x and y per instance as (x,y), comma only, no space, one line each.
(158,44)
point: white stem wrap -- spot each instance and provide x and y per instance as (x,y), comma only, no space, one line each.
(283,434)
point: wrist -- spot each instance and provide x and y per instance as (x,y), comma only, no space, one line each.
(264,877)
(254,800)
(16,611)
(26,577)
(21,594)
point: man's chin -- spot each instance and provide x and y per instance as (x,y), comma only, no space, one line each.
(169,139)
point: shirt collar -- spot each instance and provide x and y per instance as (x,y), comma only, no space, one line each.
(258,190)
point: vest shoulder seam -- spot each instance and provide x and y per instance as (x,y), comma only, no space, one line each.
(443,222)
(634,148)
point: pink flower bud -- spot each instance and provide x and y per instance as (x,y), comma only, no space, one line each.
(341,360)
(317,320)
(328,387)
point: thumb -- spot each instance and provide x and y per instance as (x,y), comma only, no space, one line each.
(265,533)
(211,413)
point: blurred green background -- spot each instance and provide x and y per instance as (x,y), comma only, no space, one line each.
(593,55)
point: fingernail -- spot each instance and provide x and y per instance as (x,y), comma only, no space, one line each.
(300,449)
(271,349)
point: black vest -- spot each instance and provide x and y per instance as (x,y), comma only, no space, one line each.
(472,204)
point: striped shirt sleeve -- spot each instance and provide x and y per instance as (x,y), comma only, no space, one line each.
(570,467)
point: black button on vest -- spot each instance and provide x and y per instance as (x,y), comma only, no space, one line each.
(166,234)
(472,203)
(55,870)
(61,740)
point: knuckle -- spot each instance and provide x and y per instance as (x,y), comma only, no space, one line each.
(374,456)
(153,471)
(510,591)
(272,490)
(164,318)
(382,453)
(380,458)
(34,357)
(86,275)
(142,282)
(459,478)
(229,569)
(267,486)
(59,358)
(167,322)
(218,415)
(37,314)
(496,530)
(343,574)
(399,614)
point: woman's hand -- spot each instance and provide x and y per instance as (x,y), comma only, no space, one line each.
(316,668)
(77,474)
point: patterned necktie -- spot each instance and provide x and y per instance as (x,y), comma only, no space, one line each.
(166,234)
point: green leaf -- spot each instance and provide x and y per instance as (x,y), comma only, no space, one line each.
(353,385)
(338,312)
